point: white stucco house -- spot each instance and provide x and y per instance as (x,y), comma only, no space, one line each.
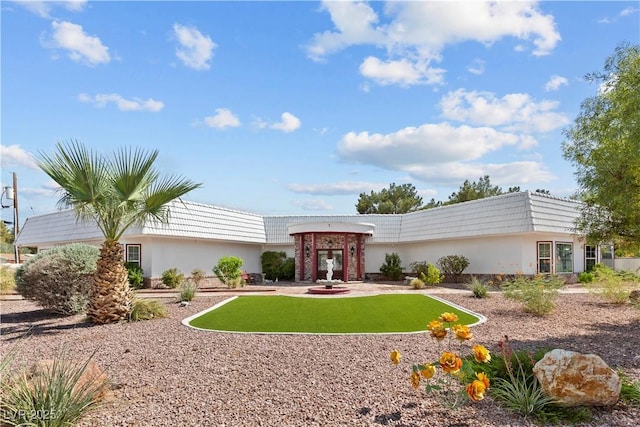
(516,232)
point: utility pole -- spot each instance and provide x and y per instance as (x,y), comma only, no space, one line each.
(16,253)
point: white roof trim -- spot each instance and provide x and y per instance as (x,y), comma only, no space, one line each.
(332,227)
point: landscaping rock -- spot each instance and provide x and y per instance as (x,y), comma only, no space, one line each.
(634,296)
(577,379)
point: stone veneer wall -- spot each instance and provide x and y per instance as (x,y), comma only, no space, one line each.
(337,243)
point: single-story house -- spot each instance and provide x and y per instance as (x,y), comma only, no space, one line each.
(513,233)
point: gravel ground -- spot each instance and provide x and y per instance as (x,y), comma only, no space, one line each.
(166,374)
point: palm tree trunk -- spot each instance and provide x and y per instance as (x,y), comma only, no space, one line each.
(111,298)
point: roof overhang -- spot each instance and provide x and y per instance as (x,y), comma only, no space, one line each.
(331,227)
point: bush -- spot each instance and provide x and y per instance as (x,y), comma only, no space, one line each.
(7,280)
(432,275)
(537,294)
(452,266)
(188,291)
(392,267)
(60,278)
(272,264)
(585,277)
(147,309)
(419,267)
(54,397)
(417,283)
(478,288)
(288,271)
(197,276)
(135,272)
(172,278)
(228,271)
(609,285)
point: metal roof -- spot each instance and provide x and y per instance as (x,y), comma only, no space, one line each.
(506,214)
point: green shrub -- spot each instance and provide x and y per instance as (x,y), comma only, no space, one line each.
(419,267)
(228,271)
(288,271)
(7,280)
(453,266)
(432,276)
(197,276)
(609,285)
(478,288)
(135,272)
(172,278)
(272,264)
(586,277)
(60,278)
(147,309)
(416,283)
(537,294)
(188,291)
(53,397)
(392,267)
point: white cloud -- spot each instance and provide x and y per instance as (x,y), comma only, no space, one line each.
(476,67)
(429,144)
(195,50)
(135,104)
(555,82)
(629,11)
(44,8)
(223,118)
(313,205)
(402,72)
(336,188)
(80,47)
(288,123)
(515,111)
(414,34)
(13,155)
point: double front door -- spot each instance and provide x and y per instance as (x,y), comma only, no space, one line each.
(336,255)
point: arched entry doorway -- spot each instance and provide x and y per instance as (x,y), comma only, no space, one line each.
(344,242)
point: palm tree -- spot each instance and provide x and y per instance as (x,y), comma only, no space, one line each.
(115,193)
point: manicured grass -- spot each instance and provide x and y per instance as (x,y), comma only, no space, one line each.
(370,314)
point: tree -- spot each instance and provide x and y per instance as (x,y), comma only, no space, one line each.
(476,190)
(396,199)
(115,193)
(6,235)
(604,145)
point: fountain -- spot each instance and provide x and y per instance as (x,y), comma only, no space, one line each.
(329,283)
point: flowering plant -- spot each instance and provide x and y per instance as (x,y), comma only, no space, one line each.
(456,370)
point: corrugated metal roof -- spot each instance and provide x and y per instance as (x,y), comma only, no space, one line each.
(509,213)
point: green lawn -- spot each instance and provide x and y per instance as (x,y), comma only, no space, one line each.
(370,314)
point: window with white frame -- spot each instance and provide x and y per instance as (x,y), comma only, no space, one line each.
(564,257)
(590,257)
(544,257)
(132,255)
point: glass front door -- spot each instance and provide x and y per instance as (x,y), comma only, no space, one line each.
(336,255)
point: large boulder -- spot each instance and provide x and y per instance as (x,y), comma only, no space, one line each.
(576,379)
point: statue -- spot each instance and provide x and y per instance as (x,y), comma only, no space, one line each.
(329,268)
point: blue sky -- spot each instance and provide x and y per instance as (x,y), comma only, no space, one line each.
(297,107)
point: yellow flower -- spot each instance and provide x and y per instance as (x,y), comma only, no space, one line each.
(448,317)
(395,357)
(462,332)
(483,377)
(481,354)
(434,324)
(439,333)
(450,362)
(476,390)
(428,371)
(415,380)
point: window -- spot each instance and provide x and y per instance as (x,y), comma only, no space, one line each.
(544,257)
(133,255)
(590,257)
(564,257)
